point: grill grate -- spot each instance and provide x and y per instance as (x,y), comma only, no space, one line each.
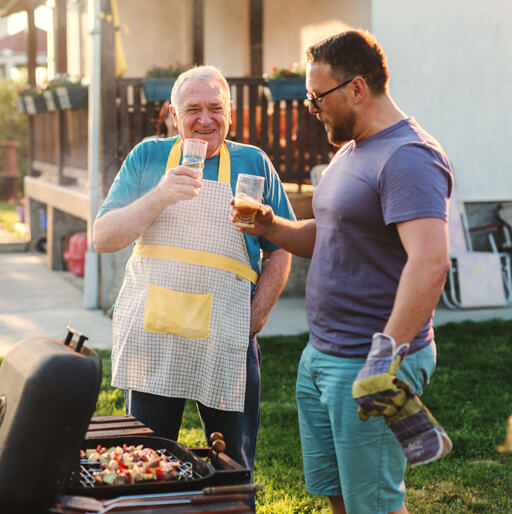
(185,470)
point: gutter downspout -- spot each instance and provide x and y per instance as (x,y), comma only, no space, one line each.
(91,276)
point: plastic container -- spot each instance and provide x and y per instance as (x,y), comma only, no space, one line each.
(75,254)
(42,219)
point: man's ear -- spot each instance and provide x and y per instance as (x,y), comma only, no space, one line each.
(359,89)
(172,112)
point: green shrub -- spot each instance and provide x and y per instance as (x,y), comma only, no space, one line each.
(14,125)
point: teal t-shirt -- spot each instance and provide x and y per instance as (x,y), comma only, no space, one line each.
(145,164)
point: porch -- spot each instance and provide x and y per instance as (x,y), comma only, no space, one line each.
(58,159)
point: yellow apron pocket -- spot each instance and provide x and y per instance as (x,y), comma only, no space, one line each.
(181,314)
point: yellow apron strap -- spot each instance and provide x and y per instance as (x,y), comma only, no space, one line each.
(224,161)
(224,165)
(174,156)
(211,260)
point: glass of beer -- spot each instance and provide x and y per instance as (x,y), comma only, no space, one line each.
(248,196)
(194,154)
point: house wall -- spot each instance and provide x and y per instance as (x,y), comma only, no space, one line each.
(226,31)
(291,26)
(226,36)
(450,68)
(159,32)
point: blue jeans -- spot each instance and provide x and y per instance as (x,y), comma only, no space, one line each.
(240,429)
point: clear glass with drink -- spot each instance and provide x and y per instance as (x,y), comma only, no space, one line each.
(248,196)
(194,154)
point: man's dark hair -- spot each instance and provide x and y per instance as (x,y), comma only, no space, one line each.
(352,53)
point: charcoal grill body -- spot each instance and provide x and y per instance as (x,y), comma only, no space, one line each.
(48,392)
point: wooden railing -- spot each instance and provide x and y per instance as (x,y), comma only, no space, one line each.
(58,146)
(294,140)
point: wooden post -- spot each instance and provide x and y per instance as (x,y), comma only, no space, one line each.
(256,37)
(31,47)
(60,44)
(198,31)
(31,77)
(109,130)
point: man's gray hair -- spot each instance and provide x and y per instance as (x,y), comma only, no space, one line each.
(204,74)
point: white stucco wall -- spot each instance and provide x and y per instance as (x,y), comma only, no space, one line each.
(159,32)
(226,36)
(451,69)
(290,26)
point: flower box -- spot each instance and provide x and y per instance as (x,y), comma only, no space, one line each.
(292,88)
(35,104)
(158,89)
(72,97)
(20,103)
(52,100)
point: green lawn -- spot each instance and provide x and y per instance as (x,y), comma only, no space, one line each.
(470,394)
(8,215)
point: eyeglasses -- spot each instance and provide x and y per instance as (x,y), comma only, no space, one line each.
(314,99)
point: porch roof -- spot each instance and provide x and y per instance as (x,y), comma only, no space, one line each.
(11,6)
(18,42)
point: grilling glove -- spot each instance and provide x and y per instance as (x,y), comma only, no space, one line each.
(373,388)
(422,439)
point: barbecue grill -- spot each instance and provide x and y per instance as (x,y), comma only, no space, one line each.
(48,393)
(194,473)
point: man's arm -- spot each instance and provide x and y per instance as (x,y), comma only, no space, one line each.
(274,274)
(118,228)
(298,237)
(426,242)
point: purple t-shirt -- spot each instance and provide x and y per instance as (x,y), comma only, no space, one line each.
(398,174)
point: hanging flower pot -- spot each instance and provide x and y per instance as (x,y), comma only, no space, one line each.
(158,89)
(20,103)
(52,100)
(288,88)
(35,104)
(72,97)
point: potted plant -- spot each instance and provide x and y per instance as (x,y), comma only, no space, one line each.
(287,83)
(20,103)
(71,94)
(50,94)
(160,79)
(34,100)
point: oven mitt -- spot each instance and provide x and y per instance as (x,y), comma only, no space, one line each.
(373,388)
(422,438)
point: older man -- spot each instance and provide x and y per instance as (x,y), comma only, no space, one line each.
(195,292)
(379,253)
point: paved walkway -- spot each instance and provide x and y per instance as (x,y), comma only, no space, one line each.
(35,301)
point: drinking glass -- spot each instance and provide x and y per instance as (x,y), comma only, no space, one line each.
(248,196)
(194,154)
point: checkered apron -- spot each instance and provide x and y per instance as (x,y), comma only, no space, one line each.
(191,251)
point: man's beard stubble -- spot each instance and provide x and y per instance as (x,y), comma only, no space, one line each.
(341,132)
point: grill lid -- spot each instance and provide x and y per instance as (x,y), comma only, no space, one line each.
(48,393)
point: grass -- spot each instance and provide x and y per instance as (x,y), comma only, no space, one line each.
(470,394)
(8,215)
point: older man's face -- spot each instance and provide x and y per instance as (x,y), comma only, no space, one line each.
(203,112)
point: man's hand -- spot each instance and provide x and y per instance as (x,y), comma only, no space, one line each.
(262,221)
(374,388)
(180,183)
(422,438)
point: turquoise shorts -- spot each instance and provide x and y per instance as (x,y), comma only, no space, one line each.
(343,456)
